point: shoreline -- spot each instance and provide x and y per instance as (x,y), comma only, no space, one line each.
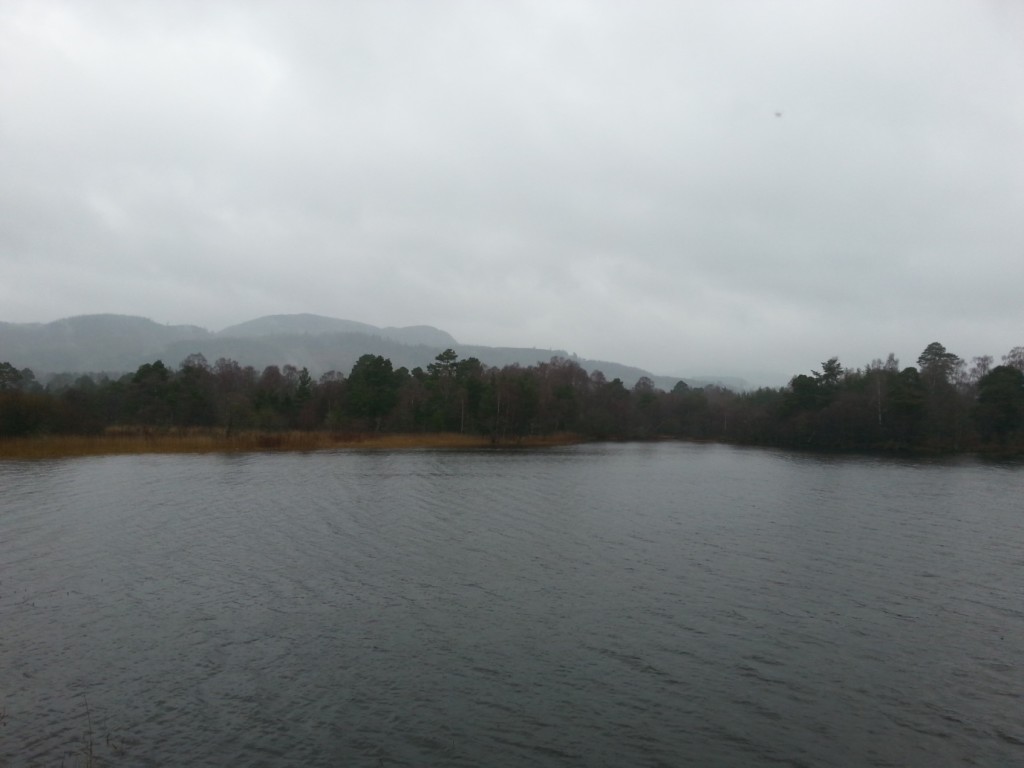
(119,442)
(124,441)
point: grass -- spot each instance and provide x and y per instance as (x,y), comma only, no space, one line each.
(123,441)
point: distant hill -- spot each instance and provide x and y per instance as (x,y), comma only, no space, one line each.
(90,342)
(118,344)
(316,325)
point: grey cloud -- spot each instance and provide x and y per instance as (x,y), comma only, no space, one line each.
(606,178)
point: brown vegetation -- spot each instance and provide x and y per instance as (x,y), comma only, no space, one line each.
(143,440)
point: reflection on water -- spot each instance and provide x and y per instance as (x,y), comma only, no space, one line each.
(598,605)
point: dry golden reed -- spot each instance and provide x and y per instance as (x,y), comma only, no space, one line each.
(122,440)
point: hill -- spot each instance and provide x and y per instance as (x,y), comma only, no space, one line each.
(90,342)
(318,325)
(118,344)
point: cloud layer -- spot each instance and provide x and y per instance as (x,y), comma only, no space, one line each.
(736,188)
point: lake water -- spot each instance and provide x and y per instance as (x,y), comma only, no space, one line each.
(599,605)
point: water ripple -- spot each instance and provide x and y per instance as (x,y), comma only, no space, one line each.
(596,605)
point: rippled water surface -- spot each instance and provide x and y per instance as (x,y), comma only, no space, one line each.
(627,605)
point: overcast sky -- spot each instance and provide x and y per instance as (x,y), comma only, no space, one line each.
(735,188)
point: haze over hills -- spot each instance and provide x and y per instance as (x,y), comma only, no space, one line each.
(306,324)
(89,343)
(118,344)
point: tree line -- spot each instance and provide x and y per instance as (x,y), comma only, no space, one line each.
(942,404)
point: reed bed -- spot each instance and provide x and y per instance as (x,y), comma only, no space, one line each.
(120,441)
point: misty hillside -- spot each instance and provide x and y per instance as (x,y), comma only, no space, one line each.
(118,344)
(306,324)
(90,342)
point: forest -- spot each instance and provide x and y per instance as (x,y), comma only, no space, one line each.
(942,405)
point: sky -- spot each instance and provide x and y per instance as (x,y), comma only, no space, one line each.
(739,188)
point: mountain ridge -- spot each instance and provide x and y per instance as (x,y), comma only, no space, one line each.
(117,344)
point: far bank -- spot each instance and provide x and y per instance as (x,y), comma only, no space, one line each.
(151,441)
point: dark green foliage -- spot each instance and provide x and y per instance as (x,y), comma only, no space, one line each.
(999,411)
(194,394)
(904,409)
(151,399)
(938,407)
(830,375)
(10,377)
(24,413)
(937,364)
(372,390)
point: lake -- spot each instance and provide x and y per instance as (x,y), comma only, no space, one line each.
(600,605)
